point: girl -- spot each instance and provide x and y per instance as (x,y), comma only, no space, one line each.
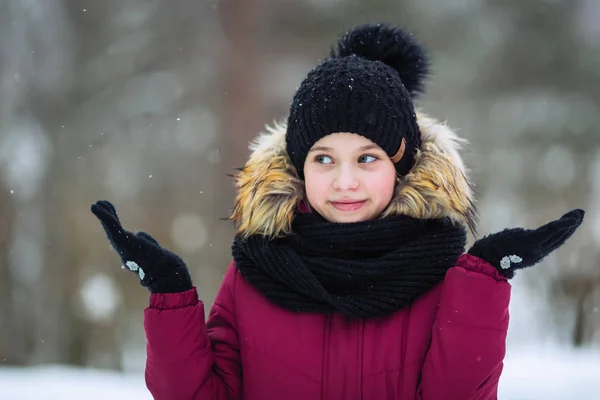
(349,278)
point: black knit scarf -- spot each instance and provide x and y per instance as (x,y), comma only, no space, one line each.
(362,269)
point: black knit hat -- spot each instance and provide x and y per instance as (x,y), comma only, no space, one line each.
(364,87)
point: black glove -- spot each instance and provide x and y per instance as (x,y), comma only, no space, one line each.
(519,248)
(159,270)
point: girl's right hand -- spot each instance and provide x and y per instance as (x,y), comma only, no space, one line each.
(159,270)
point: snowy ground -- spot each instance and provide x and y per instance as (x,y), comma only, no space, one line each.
(57,382)
(543,374)
(550,374)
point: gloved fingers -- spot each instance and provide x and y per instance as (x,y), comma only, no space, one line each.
(147,237)
(108,219)
(109,207)
(559,239)
(115,232)
(554,234)
(577,214)
(554,229)
(573,218)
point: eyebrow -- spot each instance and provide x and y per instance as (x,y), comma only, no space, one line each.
(363,148)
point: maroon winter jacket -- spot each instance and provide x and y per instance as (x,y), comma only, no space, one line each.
(448,345)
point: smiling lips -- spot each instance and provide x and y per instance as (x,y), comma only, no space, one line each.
(348,205)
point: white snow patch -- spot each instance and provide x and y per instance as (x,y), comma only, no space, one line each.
(530,373)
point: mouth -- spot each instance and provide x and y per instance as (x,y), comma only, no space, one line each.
(348,205)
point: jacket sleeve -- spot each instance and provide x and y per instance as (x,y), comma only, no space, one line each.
(188,359)
(468,342)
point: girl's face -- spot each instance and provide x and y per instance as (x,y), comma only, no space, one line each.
(348,178)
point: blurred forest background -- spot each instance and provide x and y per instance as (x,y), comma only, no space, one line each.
(151,104)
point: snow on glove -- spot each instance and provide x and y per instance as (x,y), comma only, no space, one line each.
(159,270)
(518,248)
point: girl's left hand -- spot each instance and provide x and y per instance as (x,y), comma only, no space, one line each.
(518,248)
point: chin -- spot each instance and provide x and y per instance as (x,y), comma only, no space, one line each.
(349,218)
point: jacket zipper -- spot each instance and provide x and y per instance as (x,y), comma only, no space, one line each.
(325,373)
(361,336)
(403,348)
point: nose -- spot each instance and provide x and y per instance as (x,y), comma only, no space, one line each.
(346,179)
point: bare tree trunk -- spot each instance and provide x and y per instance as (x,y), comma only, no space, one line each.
(12,345)
(242,112)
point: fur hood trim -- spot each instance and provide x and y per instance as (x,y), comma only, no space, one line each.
(269,191)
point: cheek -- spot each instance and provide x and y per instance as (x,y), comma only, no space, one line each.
(384,187)
(316,186)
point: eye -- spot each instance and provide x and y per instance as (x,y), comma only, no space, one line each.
(366,158)
(322,159)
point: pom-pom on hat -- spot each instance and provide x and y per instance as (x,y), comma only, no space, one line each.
(365,87)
